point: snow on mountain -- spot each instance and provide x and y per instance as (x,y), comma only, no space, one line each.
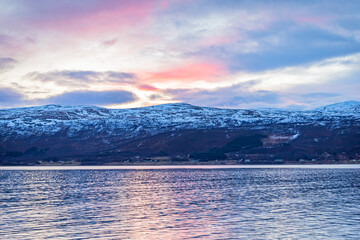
(346,108)
(88,121)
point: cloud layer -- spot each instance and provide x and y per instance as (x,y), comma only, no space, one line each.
(73,78)
(206,52)
(11,98)
(7,64)
(91,98)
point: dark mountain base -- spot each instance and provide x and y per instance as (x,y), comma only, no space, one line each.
(275,144)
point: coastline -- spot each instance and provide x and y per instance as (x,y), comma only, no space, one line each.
(150,167)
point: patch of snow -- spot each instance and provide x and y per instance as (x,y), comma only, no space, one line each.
(295,136)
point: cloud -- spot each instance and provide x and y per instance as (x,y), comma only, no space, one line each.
(285,45)
(310,77)
(309,85)
(235,96)
(309,100)
(146,87)
(79,78)
(14,45)
(109,43)
(239,96)
(85,18)
(10,97)
(91,98)
(319,95)
(7,64)
(200,71)
(247,36)
(281,43)
(156,97)
(206,47)
(5,40)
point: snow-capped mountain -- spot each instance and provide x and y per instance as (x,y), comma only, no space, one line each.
(51,119)
(102,128)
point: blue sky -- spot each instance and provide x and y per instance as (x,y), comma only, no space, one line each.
(230,53)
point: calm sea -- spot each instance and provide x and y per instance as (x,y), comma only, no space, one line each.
(186,203)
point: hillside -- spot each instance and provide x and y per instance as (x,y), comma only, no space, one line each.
(182,132)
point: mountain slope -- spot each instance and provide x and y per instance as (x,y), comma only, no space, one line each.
(100,134)
(346,108)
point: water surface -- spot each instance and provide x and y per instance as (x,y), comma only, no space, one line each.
(185,203)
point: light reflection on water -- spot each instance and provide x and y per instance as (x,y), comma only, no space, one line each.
(180,204)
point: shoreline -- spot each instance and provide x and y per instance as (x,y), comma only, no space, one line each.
(150,167)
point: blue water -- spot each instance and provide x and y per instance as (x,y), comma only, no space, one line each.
(258,203)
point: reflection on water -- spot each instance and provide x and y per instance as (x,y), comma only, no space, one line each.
(180,204)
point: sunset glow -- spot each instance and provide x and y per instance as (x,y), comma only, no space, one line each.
(208,53)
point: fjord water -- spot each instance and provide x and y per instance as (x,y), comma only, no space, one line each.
(255,203)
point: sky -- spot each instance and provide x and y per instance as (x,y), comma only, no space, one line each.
(134,53)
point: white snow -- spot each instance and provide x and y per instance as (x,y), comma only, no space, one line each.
(127,123)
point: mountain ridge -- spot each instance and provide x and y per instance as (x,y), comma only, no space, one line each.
(349,103)
(105,135)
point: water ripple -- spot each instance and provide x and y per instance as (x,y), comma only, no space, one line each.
(180,204)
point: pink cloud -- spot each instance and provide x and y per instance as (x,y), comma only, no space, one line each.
(146,87)
(15,46)
(164,4)
(189,72)
(94,18)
